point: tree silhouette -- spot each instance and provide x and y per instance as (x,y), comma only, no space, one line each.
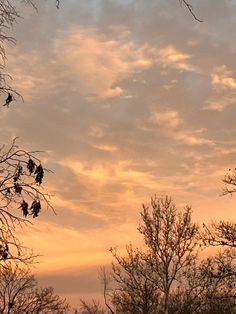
(93,307)
(19,293)
(21,196)
(144,280)
(166,276)
(222,233)
(208,286)
(171,239)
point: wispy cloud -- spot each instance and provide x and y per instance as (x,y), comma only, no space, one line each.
(222,79)
(173,126)
(99,63)
(192,138)
(171,57)
(224,85)
(168,118)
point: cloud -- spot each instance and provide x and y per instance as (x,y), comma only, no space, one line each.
(219,103)
(168,118)
(122,172)
(27,70)
(171,57)
(222,79)
(99,63)
(107,148)
(224,85)
(192,138)
(97,131)
(173,126)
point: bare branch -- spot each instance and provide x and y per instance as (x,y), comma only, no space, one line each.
(190,9)
(105,281)
(222,233)
(21,196)
(19,293)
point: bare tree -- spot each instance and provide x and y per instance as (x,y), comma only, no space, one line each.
(93,307)
(221,233)
(144,280)
(21,196)
(171,238)
(207,287)
(136,291)
(166,276)
(106,279)
(19,293)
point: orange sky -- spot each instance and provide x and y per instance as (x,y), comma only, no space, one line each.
(129,98)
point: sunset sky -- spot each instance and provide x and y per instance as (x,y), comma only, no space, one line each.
(128,99)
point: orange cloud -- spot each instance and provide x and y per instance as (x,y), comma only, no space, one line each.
(222,79)
(100,63)
(168,118)
(106,148)
(170,56)
(173,124)
(192,138)
(224,84)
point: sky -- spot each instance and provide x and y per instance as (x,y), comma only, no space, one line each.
(128,99)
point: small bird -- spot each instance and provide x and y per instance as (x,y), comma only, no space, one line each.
(9,99)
